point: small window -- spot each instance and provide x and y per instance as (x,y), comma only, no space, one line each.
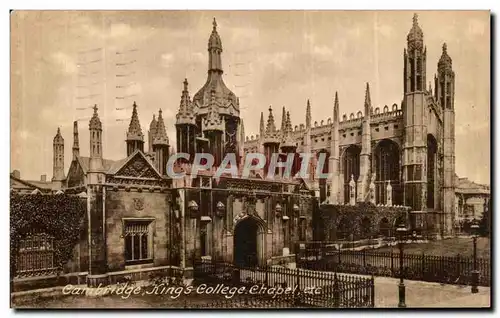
(322,139)
(352,134)
(138,242)
(386,127)
(376,129)
(344,135)
(359,133)
(396,126)
(329,138)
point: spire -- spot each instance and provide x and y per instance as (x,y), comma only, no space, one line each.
(76,142)
(287,133)
(368,101)
(161,137)
(308,115)
(430,87)
(283,122)
(152,125)
(271,127)
(261,127)
(214,50)
(213,120)
(445,63)
(134,128)
(95,122)
(415,36)
(185,114)
(336,109)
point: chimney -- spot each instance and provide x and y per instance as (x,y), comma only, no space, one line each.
(43,178)
(16,174)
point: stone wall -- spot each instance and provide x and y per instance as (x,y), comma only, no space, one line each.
(121,205)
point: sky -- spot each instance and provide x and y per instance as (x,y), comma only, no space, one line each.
(64,62)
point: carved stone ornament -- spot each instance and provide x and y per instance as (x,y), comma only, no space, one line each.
(139,204)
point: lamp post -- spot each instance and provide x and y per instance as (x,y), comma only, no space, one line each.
(475,273)
(401,230)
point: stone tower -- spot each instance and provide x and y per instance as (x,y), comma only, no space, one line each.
(96,173)
(445,95)
(414,121)
(58,160)
(135,137)
(216,107)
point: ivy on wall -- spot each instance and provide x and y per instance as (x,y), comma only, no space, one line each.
(351,217)
(61,216)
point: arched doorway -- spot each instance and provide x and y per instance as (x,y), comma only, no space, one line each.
(387,169)
(248,243)
(350,166)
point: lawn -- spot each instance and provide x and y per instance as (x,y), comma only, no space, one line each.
(447,247)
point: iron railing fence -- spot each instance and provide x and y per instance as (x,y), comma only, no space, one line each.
(36,256)
(431,268)
(309,288)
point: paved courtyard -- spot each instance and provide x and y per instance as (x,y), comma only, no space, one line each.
(418,294)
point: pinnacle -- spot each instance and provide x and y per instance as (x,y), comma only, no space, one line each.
(161,133)
(368,101)
(134,128)
(271,128)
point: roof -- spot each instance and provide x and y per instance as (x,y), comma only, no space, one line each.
(107,164)
(466,186)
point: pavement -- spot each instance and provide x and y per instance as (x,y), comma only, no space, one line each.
(429,295)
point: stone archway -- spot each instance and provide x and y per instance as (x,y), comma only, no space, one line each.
(248,244)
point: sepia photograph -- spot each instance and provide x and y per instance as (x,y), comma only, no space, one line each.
(250,159)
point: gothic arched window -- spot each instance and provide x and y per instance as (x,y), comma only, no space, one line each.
(387,168)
